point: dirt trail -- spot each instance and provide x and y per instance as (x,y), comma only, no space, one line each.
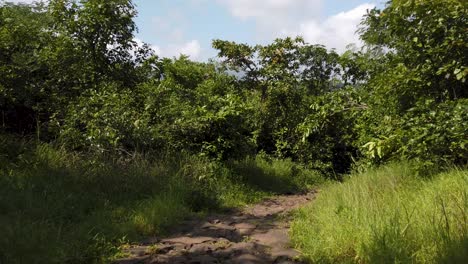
(256,234)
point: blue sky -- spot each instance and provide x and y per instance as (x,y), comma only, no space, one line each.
(173,27)
(188,26)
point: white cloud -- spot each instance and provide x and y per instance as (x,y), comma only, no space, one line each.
(191,48)
(273,16)
(270,10)
(336,31)
(270,18)
(281,18)
(173,25)
(157,49)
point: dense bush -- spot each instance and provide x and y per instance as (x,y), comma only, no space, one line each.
(394,99)
(110,119)
(417,101)
(195,107)
(434,134)
(329,132)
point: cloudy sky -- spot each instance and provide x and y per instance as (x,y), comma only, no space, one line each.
(188,26)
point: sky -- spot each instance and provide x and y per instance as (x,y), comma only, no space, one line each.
(174,27)
(189,26)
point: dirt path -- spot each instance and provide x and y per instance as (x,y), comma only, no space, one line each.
(256,234)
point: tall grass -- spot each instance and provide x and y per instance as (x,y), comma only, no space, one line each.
(387,215)
(58,206)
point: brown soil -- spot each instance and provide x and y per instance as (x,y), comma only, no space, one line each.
(256,234)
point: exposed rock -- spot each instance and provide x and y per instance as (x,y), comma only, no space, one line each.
(257,234)
(188,240)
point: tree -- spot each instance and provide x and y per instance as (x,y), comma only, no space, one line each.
(103,32)
(52,54)
(416,101)
(286,60)
(427,42)
(281,76)
(23,34)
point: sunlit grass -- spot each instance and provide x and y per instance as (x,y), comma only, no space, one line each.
(387,216)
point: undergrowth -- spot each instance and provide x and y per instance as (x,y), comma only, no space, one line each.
(58,206)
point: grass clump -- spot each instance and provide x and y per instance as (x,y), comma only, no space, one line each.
(275,175)
(387,215)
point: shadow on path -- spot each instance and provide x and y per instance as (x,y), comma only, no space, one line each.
(256,234)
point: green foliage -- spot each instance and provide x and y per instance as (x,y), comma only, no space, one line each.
(191,108)
(52,54)
(21,69)
(196,108)
(328,132)
(387,215)
(435,134)
(71,71)
(416,102)
(428,39)
(101,34)
(106,120)
(285,60)
(281,79)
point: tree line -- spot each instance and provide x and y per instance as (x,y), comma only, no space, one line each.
(72,73)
